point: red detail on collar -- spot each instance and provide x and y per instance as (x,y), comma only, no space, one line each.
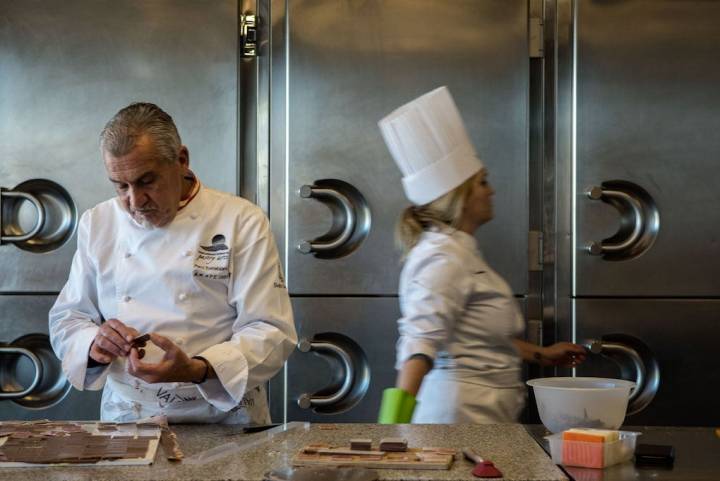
(193,192)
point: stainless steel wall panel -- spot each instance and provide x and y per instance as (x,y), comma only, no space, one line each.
(350,64)
(371,323)
(68,67)
(647,112)
(28,314)
(681,334)
(559,124)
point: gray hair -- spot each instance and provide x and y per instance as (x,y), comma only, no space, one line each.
(122,132)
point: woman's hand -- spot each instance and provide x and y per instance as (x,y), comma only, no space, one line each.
(565,354)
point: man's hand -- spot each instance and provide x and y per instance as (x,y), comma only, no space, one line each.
(112,340)
(564,354)
(175,365)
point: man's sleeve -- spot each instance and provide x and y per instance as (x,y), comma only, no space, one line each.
(74,319)
(263,332)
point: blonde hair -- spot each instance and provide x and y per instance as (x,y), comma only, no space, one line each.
(445,211)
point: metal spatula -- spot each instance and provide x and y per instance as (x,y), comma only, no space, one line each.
(483,468)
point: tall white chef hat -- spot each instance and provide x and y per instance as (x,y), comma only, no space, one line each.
(428,141)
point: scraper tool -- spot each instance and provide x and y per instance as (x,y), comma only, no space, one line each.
(483,468)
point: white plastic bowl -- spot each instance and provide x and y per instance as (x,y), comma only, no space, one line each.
(581,402)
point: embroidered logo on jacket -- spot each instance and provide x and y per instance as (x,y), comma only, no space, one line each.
(213,261)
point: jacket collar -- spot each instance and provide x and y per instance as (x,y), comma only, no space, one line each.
(465,240)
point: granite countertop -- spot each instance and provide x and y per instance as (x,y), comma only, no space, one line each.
(215,452)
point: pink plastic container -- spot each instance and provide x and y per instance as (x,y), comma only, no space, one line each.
(592,455)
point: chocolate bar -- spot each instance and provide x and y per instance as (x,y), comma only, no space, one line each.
(140,340)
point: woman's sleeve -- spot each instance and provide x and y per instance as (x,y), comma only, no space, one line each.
(432,298)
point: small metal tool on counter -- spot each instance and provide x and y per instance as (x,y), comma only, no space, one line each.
(483,468)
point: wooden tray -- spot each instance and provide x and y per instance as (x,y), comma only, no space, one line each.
(413,458)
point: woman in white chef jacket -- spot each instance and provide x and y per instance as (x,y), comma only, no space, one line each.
(459,350)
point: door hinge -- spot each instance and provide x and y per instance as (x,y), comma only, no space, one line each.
(534,333)
(248,35)
(535,250)
(536,36)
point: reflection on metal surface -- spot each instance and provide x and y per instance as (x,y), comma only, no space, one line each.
(639,221)
(351,218)
(637,363)
(16,370)
(248,35)
(7,381)
(39,220)
(53,215)
(350,373)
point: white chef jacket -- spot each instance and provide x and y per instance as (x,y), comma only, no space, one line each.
(211,281)
(461,314)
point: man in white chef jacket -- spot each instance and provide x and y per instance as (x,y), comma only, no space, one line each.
(195,268)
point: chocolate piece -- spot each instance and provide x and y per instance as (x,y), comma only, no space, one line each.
(140,340)
(361,444)
(393,444)
(168,439)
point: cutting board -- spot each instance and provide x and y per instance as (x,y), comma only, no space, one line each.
(413,458)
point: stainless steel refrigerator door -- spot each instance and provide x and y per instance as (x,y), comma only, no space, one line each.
(681,336)
(338,68)
(315,385)
(371,323)
(67,67)
(26,317)
(647,115)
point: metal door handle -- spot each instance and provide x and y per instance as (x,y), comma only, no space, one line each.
(306,401)
(348,222)
(599,248)
(351,218)
(647,377)
(38,372)
(600,347)
(38,223)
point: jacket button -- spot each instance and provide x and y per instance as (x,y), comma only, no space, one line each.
(182,296)
(126,298)
(128,254)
